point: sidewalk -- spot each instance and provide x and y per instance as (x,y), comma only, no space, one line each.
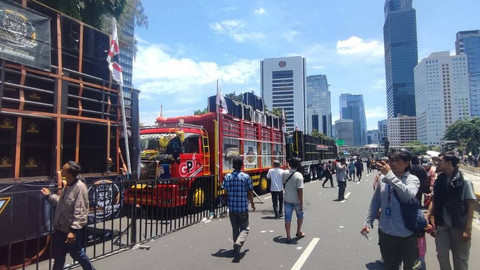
(473,174)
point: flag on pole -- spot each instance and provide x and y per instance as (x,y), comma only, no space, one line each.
(296,126)
(284,121)
(221,102)
(113,55)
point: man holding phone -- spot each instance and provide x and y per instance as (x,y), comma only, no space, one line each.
(397,243)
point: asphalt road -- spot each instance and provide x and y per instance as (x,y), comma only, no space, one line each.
(333,239)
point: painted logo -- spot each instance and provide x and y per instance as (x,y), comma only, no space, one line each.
(17,30)
(3,203)
(104,197)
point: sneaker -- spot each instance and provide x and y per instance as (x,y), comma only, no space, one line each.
(380,261)
(281,215)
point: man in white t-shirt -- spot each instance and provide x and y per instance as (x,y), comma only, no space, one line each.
(293,182)
(276,188)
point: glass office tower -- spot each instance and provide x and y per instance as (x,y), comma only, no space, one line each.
(352,107)
(468,43)
(401,56)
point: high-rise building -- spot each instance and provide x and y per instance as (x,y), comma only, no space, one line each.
(352,107)
(382,130)
(344,131)
(401,130)
(319,105)
(441,93)
(283,86)
(401,56)
(468,43)
(372,136)
(126,52)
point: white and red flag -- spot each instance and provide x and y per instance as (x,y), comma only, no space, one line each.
(221,102)
(113,55)
(284,121)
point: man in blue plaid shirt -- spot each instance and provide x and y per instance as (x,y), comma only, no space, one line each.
(238,186)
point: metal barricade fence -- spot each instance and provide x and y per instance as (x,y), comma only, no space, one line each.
(122,215)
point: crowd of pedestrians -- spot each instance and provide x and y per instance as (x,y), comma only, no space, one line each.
(443,191)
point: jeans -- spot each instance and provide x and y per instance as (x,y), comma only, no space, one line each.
(396,249)
(277,200)
(341,190)
(289,207)
(60,250)
(240,227)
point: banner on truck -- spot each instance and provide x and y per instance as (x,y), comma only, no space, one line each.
(24,36)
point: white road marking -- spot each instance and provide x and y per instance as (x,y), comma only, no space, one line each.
(266,198)
(358,182)
(314,181)
(346,197)
(303,258)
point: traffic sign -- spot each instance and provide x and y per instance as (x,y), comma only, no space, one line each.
(340,142)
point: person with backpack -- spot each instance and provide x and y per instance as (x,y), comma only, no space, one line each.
(397,243)
(452,208)
(293,185)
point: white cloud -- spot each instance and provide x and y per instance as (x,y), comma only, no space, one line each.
(260,11)
(182,83)
(378,84)
(357,46)
(376,112)
(236,30)
(290,35)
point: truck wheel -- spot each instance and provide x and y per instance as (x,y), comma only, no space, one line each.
(263,185)
(199,196)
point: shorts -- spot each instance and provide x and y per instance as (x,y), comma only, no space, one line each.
(289,207)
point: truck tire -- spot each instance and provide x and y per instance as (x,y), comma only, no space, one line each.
(263,185)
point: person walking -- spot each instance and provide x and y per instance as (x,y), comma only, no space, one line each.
(276,188)
(293,183)
(328,173)
(351,170)
(452,207)
(359,169)
(70,217)
(397,243)
(238,186)
(341,179)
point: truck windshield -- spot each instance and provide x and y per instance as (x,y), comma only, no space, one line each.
(164,143)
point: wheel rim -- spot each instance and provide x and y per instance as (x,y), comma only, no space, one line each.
(198,197)
(263,184)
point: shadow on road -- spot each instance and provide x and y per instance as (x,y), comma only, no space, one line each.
(223,253)
(374,266)
(283,240)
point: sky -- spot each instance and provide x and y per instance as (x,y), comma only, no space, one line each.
(190,44)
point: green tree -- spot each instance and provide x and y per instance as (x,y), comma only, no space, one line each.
(316,133)
(418,148)
(467,132)
(235,97)
(200,112)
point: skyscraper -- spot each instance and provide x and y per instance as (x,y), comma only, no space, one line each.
(382,130)
(319,105)
(283,86)
(352,107)
(401,56)
(344,131)
(441,93)
(468,43)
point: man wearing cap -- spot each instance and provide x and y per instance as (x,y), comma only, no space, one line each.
(238,186)
(276,188)
(70,217)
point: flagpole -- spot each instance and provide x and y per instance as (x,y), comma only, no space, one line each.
(217,158)
(125,132)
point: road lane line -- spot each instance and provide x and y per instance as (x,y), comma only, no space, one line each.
(348,194)
(303,258)
(266,198)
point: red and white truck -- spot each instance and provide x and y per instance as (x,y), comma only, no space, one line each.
(188,149)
